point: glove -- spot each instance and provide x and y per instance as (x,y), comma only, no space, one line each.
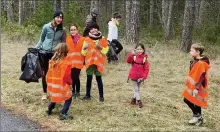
(86,46)
(195,92)
(97,45)
(140,80)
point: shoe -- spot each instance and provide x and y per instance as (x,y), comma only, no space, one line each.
(65,117)
(101,99)
(44,97)
(140,105)
(133,101)
(86,98)
(200,122)
(48,112)
(195,119)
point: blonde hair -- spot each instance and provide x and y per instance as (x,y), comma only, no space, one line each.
(61,51)
(198,47)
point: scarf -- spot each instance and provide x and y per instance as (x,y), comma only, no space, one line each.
(95,36)
(75,39)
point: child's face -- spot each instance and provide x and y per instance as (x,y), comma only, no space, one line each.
(94,31)
(194,53)
(73,30)
(139,50)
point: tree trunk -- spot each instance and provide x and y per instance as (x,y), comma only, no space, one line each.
(10,15)
(62,5)
(20,21)
(113,7)
(151,17)
(188,23)
(167,13)
(94,4)
(132,25)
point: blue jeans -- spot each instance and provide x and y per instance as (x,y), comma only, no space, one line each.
(65,107)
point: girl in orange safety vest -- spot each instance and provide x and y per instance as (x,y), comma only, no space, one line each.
(59,80)
(75,42)
(196,90)
(94,49)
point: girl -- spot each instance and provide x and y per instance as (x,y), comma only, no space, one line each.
(138,72)
(95,47)
(52,34)
(74,42)
(59,81)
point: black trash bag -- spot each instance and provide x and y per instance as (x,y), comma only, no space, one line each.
(30,66)
(111,55)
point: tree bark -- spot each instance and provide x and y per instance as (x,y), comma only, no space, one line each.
(20,21)
(132,21)
(188,23)
(94,4)
(167,13)
(10,15)
(151,17)
(113,7)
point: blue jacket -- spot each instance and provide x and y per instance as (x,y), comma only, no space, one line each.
(50,38)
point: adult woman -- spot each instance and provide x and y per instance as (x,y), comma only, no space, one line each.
(52,34)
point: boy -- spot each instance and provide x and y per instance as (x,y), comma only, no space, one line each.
(195,93)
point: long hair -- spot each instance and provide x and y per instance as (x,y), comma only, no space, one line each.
(61,51)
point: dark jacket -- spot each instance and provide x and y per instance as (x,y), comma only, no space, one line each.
(90,20)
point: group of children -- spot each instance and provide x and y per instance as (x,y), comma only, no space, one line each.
(90,52)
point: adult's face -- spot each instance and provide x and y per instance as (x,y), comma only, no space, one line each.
(58,20)
(73,30)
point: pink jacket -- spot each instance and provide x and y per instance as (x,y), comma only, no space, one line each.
(138,69)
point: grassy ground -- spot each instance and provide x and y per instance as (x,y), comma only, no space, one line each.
(164,109)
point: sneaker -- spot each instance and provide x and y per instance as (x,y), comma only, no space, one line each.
(65,117)
(101,99)
(86,98)
(195,119)
(44,97)
(133,101)
(140,105)
(200,122)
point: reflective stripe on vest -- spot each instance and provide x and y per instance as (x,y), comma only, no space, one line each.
(74,54)
(76,62)
(193,82)
(59,95)
(55,86)
(197,96)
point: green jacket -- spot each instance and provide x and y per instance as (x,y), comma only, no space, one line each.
(50,38)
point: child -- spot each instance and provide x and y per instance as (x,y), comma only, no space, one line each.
(195,93)
(59,80)
(94,49)
(139,71)
(75,42)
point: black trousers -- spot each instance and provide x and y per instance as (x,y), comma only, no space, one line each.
(86,32)
(117,46)
(89,85)
(65,107)
(195,109)
(75,80)
(46,58)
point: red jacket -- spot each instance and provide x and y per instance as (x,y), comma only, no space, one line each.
(139,68)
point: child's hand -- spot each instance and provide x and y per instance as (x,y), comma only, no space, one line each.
(133,52)
(140,80)
(195,92)
(86,46)
(97,45)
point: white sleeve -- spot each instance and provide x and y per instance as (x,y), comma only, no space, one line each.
(110,32)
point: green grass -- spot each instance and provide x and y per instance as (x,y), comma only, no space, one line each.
(164,109)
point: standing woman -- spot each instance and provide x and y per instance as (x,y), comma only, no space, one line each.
(75,42)
(52,34)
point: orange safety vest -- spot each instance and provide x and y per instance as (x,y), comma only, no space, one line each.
(94,55)
(193,77)
(58,90)
(74,55)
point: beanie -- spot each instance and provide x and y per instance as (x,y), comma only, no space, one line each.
(93,25)
(95,11)
(58,13)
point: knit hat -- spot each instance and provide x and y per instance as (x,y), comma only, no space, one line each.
(95,11)
(58,13)
(94,25)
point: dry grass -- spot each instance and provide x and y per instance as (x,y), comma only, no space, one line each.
(164,109)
